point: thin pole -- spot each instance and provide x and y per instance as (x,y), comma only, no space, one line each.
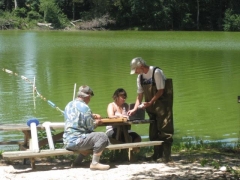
(74,91)
(34,102)
(35,88)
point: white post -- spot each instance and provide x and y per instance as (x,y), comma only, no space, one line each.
(32,123)
(34,137)
(34,102)
(49,135)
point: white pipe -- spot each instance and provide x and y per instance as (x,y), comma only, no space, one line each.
(34,102)
(35,146)
(47,125)
(49,134)
(59,124)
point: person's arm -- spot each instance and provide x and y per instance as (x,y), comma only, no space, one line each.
(97,120)
(91,123)
(155,97)
(137,103)
(138,100)
(139,97)
(110,110)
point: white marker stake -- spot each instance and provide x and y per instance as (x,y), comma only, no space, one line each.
(49,134)
(74,91)
(32,123)
(34,103)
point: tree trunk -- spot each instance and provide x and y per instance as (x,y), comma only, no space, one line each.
(73,10)
(15,3)
(197,14)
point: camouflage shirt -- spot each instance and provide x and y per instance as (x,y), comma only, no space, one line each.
(78,122)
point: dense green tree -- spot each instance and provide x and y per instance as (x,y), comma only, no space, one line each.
(70,8)
(231,21)
(52,13)
(140,14)
(6,5)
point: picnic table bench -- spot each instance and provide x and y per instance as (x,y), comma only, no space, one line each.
(32,153)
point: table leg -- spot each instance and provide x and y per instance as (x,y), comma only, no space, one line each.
(32,160)
(128,139)
(27,136)
(55,137)
(119,132)
(25,145)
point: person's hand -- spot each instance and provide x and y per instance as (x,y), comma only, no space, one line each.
(96,116)
(131,112)
(98,121)
(144,105)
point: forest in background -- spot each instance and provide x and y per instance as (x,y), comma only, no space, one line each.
(176,15)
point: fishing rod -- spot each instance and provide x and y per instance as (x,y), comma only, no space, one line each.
(105,120)
(34,89)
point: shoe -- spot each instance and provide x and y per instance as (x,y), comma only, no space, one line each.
(167,152)
(158,150)
(99,166)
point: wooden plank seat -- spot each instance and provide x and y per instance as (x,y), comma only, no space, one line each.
(35,152)
(14,155)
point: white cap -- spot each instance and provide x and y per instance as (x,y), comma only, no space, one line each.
(85,91)
(136,62)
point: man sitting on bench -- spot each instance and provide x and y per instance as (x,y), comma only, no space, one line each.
(79,126)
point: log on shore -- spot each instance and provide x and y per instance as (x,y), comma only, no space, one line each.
(45,24)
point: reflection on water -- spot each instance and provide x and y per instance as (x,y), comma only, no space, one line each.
(228,142)
(204,67)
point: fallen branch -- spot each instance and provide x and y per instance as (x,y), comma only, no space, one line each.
(45,24)
(76,21)
(73,24)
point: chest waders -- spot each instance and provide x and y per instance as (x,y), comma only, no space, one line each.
(161,112)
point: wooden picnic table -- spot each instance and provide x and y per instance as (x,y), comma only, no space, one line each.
(122,127)
(26,130)
(29,152)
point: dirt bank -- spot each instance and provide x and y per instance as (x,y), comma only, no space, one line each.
(191,166)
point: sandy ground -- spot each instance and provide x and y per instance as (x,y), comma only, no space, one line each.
(182,167)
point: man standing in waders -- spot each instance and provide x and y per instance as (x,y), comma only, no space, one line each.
(158,92)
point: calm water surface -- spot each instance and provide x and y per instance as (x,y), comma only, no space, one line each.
(204,67)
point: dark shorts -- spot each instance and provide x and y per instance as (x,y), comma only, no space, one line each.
(113,133)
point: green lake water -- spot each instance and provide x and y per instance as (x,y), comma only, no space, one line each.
(204,66)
